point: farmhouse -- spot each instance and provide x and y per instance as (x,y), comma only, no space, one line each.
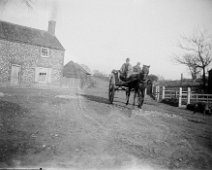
(29,56)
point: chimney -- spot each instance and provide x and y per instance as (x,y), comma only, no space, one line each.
(51,27)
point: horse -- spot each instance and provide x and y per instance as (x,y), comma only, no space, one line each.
(139,84)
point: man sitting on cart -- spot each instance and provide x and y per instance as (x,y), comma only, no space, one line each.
(137,67)
(126,70)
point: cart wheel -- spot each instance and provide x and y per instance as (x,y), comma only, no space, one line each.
(111,92)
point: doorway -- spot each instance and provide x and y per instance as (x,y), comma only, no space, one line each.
(15,74)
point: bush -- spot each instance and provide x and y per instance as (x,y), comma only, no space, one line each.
(87,82)
(201,107)
(92,84)
(172,101)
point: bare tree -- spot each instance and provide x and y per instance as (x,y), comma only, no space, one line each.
(194,72)
(28,3)
(198,53)
(190,61)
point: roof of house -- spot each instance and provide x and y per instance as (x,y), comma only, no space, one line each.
(32,36)
(72,68)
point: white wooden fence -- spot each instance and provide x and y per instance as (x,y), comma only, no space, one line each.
(184,96)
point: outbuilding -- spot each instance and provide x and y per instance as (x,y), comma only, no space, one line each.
(75,75)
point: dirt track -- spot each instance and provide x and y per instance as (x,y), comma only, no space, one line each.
(45,128)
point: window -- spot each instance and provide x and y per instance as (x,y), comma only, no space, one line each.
(44,52)
(43,75)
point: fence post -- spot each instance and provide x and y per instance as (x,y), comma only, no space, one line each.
(145,91)
(158,93)
(180,97)
(163,92)
(189,95)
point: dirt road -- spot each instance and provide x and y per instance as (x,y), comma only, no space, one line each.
(81,130)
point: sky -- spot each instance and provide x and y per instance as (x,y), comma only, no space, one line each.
(103,33)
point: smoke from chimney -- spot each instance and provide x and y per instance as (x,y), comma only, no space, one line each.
(51,27)
(54,10)
(53,16)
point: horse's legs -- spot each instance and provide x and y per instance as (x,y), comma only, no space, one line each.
(127,95)
(141,93)
(142,96)
(135,92)
(139,99)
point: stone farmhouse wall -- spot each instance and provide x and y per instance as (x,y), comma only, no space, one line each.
(28,57)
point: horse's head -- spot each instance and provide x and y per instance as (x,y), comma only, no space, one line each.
(144,73)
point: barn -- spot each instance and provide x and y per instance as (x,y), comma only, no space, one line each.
(29,56)
(75,75)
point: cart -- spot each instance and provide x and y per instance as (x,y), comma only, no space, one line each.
(115,84)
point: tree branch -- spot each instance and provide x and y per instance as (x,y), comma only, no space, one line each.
(187,48)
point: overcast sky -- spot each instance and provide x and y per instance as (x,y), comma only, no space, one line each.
(102,33)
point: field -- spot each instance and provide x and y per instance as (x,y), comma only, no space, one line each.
(70,129)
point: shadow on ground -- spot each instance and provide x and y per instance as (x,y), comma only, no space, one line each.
(103,100)
(96,98)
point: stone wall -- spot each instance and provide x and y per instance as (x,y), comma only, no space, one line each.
(28,57)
